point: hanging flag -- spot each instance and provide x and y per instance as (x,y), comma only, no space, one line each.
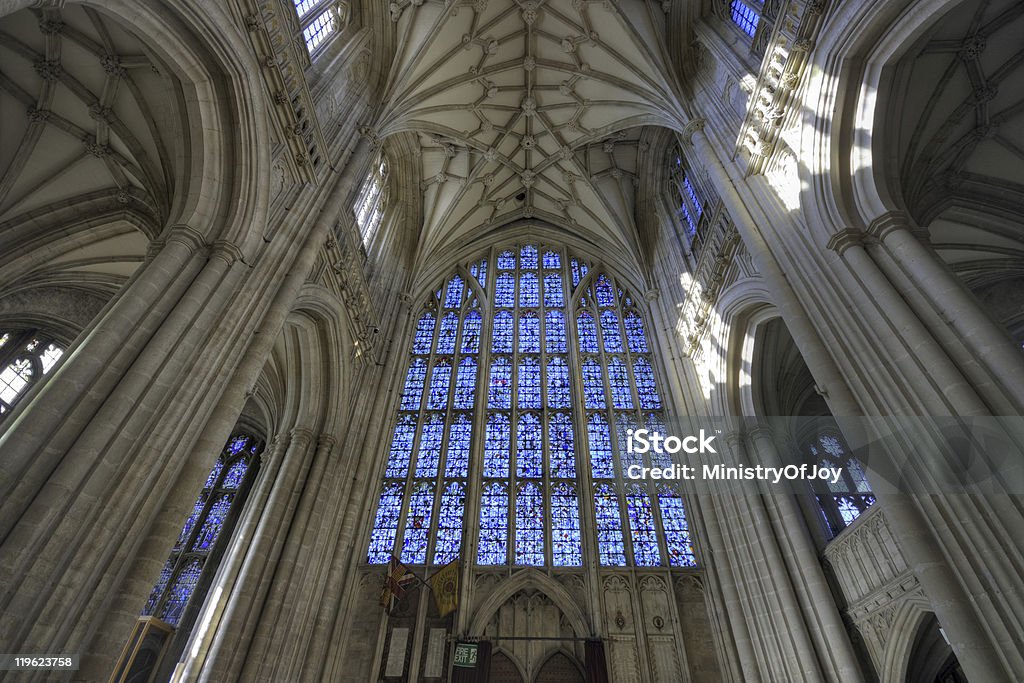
(396,582)
(445,587)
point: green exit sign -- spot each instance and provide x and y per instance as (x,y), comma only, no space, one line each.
(465,655)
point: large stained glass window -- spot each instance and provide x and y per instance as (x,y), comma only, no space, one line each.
(212,516)
(25,358)
(844,501)
(520,437)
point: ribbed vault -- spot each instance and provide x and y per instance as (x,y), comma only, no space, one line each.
(530,109)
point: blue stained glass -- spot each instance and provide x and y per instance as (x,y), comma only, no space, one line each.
(623,423)
(529,453)
(605,293)
(529,525)
(471,332)
(236,473)
(501,338)
(417,524)
(385,525)
(493,545)
(579,271)
(184,584)
(507,260)
(505,291)
(214,522)
(618,382)
(560,443)
(453,295)
(602,465)
(528,290)
(593,385)
(635,336)
(529,333)
(214,473)
(529,382)
(744,17)
(528,257)
(553,291)
(645,386)
(499,393)
(677,530)
(440,380)
(609,331)
(566,549)
(497,442)
(401,447)
(424,334)
(641,526)
(587,332)
(627,300)
(449,523)
(459,438)
(610,548)
(465,385)
(558,383)
(413,391)
(190,523)
(237,443)
(554,332)
(552,259)
(448,333)
(431,436)
(158,589)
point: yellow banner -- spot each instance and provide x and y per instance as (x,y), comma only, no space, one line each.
(445,587)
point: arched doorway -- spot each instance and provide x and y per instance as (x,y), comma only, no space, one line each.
(559,669)
(504,670)
(931,657)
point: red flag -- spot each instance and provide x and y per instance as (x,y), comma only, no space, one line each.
(396,582)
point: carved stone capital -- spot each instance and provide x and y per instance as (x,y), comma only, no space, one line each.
(846,238)
(695,125)
(226,251)
(186,235)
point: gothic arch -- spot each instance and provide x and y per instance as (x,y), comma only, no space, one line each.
(530,579)
(909,617)
(223,95)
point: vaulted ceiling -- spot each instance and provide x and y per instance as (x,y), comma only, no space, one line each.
(529,109)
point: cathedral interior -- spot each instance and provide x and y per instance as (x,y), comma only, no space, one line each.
(303,302)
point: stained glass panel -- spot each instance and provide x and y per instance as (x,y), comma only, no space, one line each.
(505,291)
(449,523)
(579,271)
(401,447)
(497,441)
(386,523)
(465,385)
(602,466)
(528,257)
(593,385)
(453,294)
(429,456)
(459,440)
(610,548)
(529,454)
(440,379)
(604,293)
(449,333)
(417,524)
(677,530)
(610,332)
(184,584)
(642,529)
(424,338)
(635,336)
(558,383)
(236,473)
(529,333)
(562,450)
(529,525)
(471,332)
(529,292)
(566,548)
(507,260)
(552,259)
(499,393)
(553,291)
(587,332)
(618,382)
(501,341)
(493,545)
(554,332)
(413,392)
(529,383)
(645,385)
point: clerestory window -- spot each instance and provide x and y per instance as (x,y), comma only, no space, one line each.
(25,358)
